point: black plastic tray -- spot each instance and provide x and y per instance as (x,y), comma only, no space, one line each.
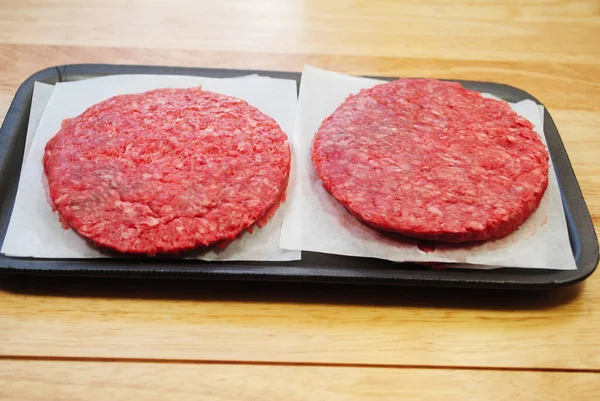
(313,267)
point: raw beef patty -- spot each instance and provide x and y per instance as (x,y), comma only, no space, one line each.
(432,160)
(166,170)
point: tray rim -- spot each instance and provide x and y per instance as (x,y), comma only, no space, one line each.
(452,277)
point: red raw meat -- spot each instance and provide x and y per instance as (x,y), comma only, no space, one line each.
(432,160)
(167,170)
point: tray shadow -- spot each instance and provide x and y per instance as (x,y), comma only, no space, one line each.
(290,293)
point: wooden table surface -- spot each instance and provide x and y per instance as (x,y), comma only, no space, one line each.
(97,339)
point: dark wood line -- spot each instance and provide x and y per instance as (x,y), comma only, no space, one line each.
(289,364)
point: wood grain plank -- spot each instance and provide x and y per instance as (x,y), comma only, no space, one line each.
(293,323)
(386,28)
(89,381)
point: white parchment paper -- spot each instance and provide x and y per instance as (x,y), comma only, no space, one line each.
(34,230)
(39,100)
(315,221)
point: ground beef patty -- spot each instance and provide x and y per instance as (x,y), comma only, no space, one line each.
(432,160)
(166,170)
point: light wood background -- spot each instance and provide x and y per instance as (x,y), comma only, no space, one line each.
(94,339)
